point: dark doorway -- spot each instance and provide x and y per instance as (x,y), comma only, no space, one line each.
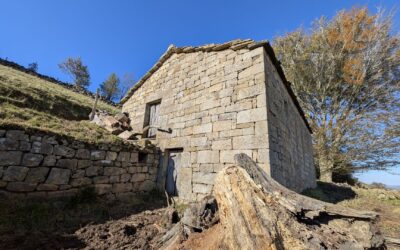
(173,165)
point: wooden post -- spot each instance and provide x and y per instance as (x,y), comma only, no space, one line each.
(94,106)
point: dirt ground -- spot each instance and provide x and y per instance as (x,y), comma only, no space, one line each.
(138,223)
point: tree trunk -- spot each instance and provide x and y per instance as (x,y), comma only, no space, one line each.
(325,169)
(257,212)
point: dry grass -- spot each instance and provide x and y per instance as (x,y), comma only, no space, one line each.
(29,102)
(379,200)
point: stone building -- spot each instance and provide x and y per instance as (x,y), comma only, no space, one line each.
(202,105)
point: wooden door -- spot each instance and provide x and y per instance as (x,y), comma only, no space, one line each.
(154,114)
(174,164)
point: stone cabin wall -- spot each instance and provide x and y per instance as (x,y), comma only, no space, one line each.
(215,104)
(290,143)
(42,166)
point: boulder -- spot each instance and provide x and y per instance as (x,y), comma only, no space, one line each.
(127,135)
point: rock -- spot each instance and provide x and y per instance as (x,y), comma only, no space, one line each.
(17,135)
(64,151)
(42,148)
(115,131)
(204,178)
(83,153)
(121,187)
(101,179)
(124,156)
(93,171)
(125,177)
(78,174)
(84,163)
(32,160)
(8,144)
(112,156)
(104,163)
(108,171)
(111,122)
(81,182)
(58,176)
(37,175)
(20,186)
(1,171)
(103,188)
(67,163)
(15,173)
(49,161)
(121,117)
(8,158)
(2,132)
(147,185)
(47,187)
(98,155)
(24,146)
(127,135)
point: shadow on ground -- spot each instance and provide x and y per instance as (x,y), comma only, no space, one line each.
(330,192)
(52,224)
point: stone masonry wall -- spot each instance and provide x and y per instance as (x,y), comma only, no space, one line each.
(38,165)
(290,145)
(215,104)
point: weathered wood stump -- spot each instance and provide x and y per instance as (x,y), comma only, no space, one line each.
(256,212)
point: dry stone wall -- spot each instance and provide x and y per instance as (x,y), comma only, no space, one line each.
(39,165)
(215,104)
(290,144)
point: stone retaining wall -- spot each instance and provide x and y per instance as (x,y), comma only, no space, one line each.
(39,165)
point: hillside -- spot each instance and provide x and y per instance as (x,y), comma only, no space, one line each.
(29,102)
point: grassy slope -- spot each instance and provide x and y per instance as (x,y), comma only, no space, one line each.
(29,102)
(364,199)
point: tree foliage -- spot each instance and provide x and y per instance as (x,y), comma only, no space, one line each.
(110,88)
(77,71)
(346,74)
(33,66)
(127,82)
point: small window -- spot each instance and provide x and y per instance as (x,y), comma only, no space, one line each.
(151,119)
(142,157)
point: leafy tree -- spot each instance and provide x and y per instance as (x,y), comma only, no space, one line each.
(110,88)
(127,82)
(33,66)
(77,71)
(346,74)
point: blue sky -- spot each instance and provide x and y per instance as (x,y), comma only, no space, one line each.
(129,36)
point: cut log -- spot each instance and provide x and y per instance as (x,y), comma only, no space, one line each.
(256,212)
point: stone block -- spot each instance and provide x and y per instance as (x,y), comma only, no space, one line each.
(109,171)
(125,177)
(97,155)
(78,174)
(42,148)
(64,151)
(15,173)
(2,132)
(101,179)
(251,115)
(67,163)
(83,153)
(47,187)
(127,135)
(49,161)
(208,156)
(251,71)
(227,156)
(111,156)
(222,144)
(104,163)
(147,185)
(58,176)
(261,128)
(121,187)
(222,125)
(37,175)
(1,172)
(123,156)
(134,157)
(62,194)
(20,187)
(114,179)
(202,188)
(8,144)
(198,142)
(84,163)
(17,135)
(32,160)
(250,142)
(103,188)
(93,171)
(138,177)
(203,178)
(203,128)
(8,158)
(3,184)
(24,146)
(81,182)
